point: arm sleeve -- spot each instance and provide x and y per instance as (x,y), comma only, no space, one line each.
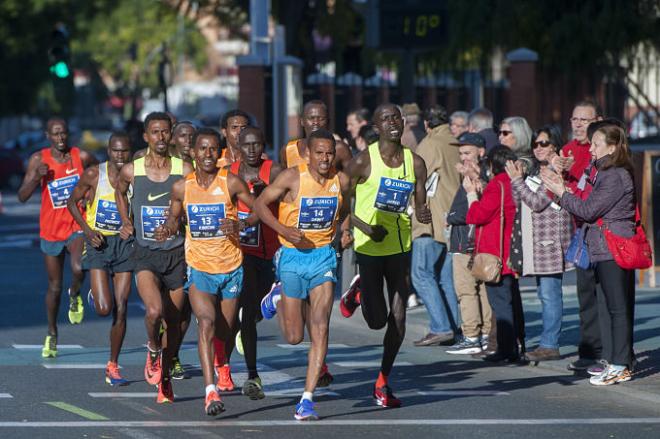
(485,210)
(606,193)
(537,201)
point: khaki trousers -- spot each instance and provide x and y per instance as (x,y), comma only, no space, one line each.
(476,314)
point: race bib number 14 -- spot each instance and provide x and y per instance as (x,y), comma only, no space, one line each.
(317,213)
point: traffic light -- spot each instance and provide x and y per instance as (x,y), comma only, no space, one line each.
(59,53)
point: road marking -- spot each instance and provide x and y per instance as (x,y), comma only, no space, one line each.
(123,394)
(5,395)
(299,391)
(19,227)
(137,434)
(77,411)
(76,366)
(39,346)
(358,422)
(463,393)
(306,345)
(357,364)
(18,244)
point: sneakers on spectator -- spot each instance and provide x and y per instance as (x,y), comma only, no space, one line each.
(611,375)
(598,368)
(413,302)
(581,364)
(468,345)
(543,354)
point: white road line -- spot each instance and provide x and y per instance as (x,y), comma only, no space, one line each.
(357,364)
(39,346)
(5,395)
(123,394)
(462,393)
(306,345)
(219,423)
(17,244)
(75,366)
(18,227)
(299,391)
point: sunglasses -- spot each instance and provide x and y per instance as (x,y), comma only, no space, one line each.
(543,144)
(505,133)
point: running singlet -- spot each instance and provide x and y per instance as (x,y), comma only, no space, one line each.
(259,240)
(55,221)
(102,213)
(223,160)
(383,199)
(314,211)
(207,248)
(293,157)
(150,204)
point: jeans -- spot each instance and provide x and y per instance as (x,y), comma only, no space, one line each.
(432,278)
(550,294)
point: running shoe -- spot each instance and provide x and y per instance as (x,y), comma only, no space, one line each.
(90,300)
(225,383)
(385,398)
(597,368)
(76,309)
(112,375)
(466,346)
(253,389)
(50,347)
(325,377)
(268,309)
(305,411)
(610,376)
(165,392)
(350,300)
(177,372)
(213,405)
(239,343)
(153,369)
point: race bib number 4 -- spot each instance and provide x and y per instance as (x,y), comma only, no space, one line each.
(204,220)
(393,195)
(107,216)
(152,217)
(317,213)
(249,236)
(60,190)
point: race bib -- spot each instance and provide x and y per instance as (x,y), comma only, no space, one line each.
(152,217)
(60,190)
(107,216)
(204,220)
(249,236)
(317,213)
(393,195)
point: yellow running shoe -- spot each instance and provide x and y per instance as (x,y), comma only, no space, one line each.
(239,343)
(76,309)
(50,347)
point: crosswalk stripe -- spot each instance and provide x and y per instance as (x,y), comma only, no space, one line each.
(39,346)
(75,366)
(123,394)
(5,395)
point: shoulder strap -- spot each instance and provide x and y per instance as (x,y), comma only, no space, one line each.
(177,166)
(138,167)
(235,166)
(264,171)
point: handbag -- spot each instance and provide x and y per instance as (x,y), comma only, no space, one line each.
(577,252)
(484,266)
(629,253)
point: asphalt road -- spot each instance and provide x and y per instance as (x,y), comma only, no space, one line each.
(443,395)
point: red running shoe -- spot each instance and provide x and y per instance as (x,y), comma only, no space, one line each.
(385,398)
(325,377)
(350,300)
(165,392)
(153,368)
(225,383)
(213,405)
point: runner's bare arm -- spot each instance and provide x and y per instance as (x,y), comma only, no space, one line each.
(283,184)
(172,223)
(422,211)
(35,172)
(86,184)
(88,159)
(124,181)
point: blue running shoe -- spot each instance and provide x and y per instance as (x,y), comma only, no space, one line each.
(305,411)
(268,309)
(90,300)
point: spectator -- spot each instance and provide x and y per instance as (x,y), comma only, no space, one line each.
(458,123)
(366,137)
(413,131)
(476,314)
(355,120)
(546,234)
(480,121)
(431,262)
(517,135)
(612,199)
(486,213)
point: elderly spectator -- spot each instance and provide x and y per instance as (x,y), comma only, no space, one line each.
(431,267)
(546,234)
(491,236)
(516,134)
(612,200)
(458,123)
(480,121)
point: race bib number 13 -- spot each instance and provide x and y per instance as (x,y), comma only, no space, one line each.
(393,195)
(204,220)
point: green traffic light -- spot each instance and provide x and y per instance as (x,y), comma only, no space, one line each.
(60,69)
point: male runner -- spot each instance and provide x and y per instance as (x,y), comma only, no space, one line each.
(106,254)
(231,125)
(314,117)
(57,169)
(159,266)
(311,205)
(209,197)
(384,176)
(259,244)
(181,142)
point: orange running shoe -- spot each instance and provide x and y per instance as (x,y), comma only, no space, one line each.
(112,375)
(153,369)
(165,392)
(213,404)
(225,383)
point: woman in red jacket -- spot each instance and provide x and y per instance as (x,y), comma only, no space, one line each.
(486,214)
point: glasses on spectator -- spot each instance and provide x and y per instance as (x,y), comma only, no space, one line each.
(505,132)
(542,144)
(581,120)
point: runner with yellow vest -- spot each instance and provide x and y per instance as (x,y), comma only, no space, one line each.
(105,254)
(385,177)
(160,268)
(311,198)
(209,199)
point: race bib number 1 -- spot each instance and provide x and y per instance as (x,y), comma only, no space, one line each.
(107,216)
(152,217)
(204,220)
(60,190)
(393,195)
(317,213)
(249,236)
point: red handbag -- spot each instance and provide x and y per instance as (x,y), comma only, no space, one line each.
(629,253)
